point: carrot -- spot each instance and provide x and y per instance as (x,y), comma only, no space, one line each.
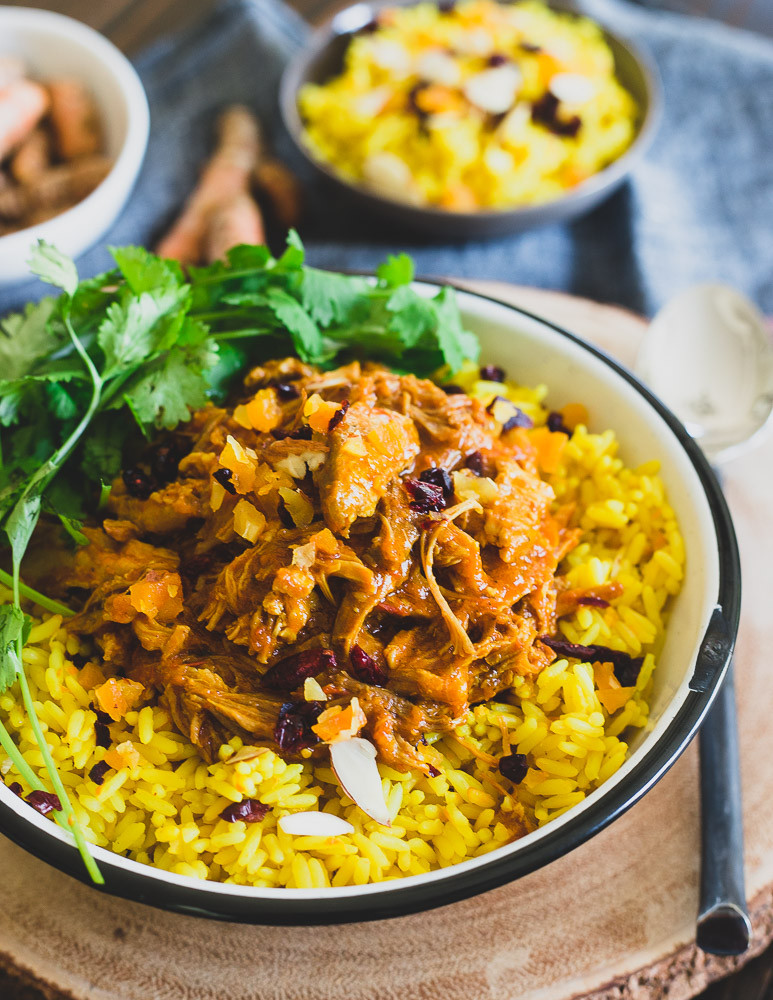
(224,178)
(32,158)
(550,446)
(22,105)
(237,221)
(12,68)
(282,189)
(75,119)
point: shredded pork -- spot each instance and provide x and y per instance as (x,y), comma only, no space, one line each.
(306,519)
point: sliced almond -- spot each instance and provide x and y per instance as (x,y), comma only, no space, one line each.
(314,824)
(354,763)
(572,88)
(494,90)
(437,66)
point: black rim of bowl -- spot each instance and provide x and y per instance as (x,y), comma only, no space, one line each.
(589,192)
(398,898)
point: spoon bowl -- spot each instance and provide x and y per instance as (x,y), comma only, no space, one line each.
(709,356)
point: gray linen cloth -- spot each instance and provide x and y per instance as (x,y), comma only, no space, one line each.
(699,208)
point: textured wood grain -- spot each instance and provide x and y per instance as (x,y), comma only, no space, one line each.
(614,920)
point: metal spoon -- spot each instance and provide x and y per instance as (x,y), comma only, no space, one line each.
(708,355)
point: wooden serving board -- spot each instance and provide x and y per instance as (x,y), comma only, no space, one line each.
(614,919)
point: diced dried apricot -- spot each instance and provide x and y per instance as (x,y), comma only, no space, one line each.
(262,413)
(550,448)
(319,412)
(338,723)
(574,414)
(124,755)
(241,461)
(615,698)
(117,696)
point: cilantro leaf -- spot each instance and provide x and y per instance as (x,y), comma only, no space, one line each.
(144,272)
(305,334)
(174,386)
(14,625)
(26,337)
(331,298)
(396,271)
(54,267)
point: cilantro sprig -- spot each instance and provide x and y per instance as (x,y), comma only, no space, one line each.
(91,374)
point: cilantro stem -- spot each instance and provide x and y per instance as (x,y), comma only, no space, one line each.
(66,818)
(36,597)
(69,815)
(20,763)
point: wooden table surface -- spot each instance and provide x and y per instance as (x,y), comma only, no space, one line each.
(132,24)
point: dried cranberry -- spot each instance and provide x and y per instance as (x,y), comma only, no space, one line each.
(44,802)
(497,59)
(446,6)
(102,735)
(626,667)
(426,496)
(555,422)
(452,390)
(596,602)
(224,477)
(98,772)
(514,767)
(433,771)
(290,673)
(518,419)
(138,484)
(441,478)
(338,416)
(369,28)
(15,787)
(545,112)
(530,47)
(475,463)
(365,668)
(286,390)
(492,373)
(165,460)
(249,811)
(303,433)
(293,730)
(102,717)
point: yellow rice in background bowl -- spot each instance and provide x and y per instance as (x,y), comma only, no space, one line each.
(163,805)
(398,118)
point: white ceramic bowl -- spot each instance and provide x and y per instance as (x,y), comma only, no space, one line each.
(691,665)
(55,45)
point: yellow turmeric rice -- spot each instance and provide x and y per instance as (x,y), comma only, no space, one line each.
(474,105)
(160,803)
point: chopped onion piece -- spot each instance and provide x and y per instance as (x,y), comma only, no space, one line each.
(354,763)
(314,824)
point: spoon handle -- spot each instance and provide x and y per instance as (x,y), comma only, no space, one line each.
(724,927)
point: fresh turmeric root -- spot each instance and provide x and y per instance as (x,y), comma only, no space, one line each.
(225,179)
(22,105)
(50,146)
(75,119)
(237,221)
(32,158)
(282,189)
(56,189)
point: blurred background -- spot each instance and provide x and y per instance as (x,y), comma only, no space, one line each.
(133,23)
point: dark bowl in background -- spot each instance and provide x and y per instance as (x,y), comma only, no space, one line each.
(322,58)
